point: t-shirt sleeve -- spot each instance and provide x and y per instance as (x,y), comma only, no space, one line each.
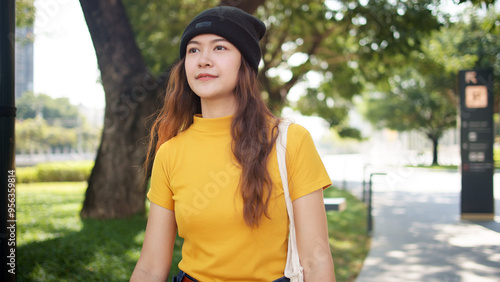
(306,172)
(160,192)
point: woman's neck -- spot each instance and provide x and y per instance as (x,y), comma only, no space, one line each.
(218,108)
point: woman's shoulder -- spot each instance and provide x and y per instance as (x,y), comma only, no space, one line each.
(297,131)
(297,128)
(173,143)
(298,138)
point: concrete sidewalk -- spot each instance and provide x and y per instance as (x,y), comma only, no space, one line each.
(418,234)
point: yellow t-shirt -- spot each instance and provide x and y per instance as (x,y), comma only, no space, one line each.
(196,176)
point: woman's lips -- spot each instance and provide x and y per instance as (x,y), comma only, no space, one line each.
(205,76)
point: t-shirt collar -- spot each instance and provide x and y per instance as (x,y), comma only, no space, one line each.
(211,124)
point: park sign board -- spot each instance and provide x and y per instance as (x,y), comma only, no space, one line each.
(476,144)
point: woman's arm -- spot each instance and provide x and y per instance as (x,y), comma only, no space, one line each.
(312,237)
(156,255)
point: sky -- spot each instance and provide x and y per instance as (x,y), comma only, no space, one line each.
(65,63)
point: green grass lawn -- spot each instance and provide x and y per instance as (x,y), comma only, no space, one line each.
(455,167)
(348,235)
(55,244)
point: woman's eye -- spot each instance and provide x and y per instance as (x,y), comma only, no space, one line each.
(219,48)
(192,50)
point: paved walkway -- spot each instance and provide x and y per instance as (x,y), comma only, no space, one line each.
(418,234)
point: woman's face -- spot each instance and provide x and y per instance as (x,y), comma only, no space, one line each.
(212,65)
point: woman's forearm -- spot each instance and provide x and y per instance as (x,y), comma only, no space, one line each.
(320,270)
(312,238)
(141,274)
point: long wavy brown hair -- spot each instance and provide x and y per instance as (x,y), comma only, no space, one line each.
(254,130)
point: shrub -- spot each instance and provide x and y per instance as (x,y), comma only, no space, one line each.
(55,172)
(27,174)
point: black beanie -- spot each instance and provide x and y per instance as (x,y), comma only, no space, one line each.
(238,27)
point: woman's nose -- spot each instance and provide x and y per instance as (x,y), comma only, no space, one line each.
(205,60)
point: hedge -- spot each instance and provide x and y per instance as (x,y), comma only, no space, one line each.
(55,172)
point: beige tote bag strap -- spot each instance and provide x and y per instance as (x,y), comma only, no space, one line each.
(293,269)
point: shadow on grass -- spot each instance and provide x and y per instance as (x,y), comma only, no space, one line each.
(55,244)
(100,251)
(103,250)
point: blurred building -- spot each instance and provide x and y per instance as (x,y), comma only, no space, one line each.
(24,60)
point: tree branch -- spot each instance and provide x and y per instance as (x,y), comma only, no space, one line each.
(318,39)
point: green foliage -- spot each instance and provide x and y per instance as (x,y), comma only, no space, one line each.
(158,26)
(66,171)
(344,42)
(411,104)
(46,124)
(478,2)
(36,135)
(55,172)
(496,157)
(27,132)
(472,42)
(27,174)
(55,244)
(25,12)
(481,41)
(54,110)
(422,94)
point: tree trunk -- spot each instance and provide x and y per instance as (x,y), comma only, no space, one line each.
(435,142)
(115,187)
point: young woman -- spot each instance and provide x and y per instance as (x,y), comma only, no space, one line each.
(215,177)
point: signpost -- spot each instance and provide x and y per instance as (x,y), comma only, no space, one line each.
(8,225)
(476,138)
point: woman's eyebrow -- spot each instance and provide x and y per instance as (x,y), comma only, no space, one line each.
(212,41)
(219,40)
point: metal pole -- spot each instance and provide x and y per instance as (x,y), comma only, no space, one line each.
(363,197)
(370,215)
(7,121)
